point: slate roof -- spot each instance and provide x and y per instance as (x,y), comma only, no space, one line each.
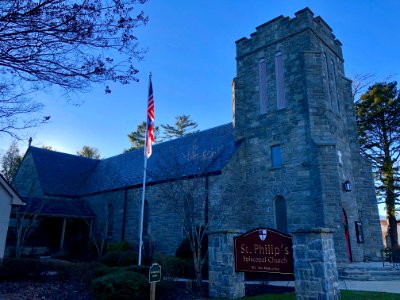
(61,173)
(206,151)
(57,207)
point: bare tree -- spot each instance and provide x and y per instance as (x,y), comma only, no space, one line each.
(187,196)
(51,148)
(89,152)
(102,230)
(360,82)
(27,218)
(66,43)
(17,110)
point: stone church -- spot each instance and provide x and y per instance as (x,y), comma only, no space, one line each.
(288,161)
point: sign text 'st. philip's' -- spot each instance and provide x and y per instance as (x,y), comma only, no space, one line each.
(264,250)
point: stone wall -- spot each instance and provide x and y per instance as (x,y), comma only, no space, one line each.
(224,281)
(26,181)
(315,130)
(315,265)
(164,215)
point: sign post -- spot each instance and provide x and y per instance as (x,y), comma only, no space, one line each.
(154,277)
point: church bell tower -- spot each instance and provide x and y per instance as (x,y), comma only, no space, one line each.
(293,113)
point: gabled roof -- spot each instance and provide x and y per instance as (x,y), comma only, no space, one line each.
(61,173)
(203,152)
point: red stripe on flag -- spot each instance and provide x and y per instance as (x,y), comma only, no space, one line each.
(150,120)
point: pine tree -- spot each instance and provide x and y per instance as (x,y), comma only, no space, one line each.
(11,161)
(137,137)
(378,122)
(183,126)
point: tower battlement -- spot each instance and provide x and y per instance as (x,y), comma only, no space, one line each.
(281,28)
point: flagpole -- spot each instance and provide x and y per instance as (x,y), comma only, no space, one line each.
(143,188)
(142,208)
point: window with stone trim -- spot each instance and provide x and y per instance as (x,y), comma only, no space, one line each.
(262,70)
(280,214)
(276,156)
(280,81)
(334,83)
(110,221)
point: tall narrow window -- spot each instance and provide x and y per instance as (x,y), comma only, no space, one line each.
(276,156)
(280,86)
(328,80)
(280,214)
(262,70)
(110,221)
(334,83)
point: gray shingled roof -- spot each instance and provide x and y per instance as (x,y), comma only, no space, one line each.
(61,173)
(207,151)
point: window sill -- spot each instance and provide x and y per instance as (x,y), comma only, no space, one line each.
(275,168)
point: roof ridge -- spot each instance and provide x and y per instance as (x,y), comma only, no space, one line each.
(173,140)
(61,153)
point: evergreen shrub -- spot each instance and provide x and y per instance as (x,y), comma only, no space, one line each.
(119,258)
(172,266)
(119,246)
(121,285)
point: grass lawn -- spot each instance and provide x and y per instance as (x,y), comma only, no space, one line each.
(351,295)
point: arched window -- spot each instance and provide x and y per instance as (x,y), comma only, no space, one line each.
(262,70)
(280,214)
(280,86)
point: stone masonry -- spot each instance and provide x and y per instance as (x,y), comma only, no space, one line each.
(315,130)
(315,265)
(224,281)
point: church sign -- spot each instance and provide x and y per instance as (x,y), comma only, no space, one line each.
(264,250)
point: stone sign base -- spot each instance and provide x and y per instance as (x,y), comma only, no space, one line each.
(224,282)
(315,264)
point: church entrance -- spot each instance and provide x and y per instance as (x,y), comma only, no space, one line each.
(346,232)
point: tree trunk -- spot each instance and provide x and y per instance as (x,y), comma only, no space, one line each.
(197,269)
(391,211)
(392,232)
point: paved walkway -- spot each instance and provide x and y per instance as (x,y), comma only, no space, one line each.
(392,286)
(388,286)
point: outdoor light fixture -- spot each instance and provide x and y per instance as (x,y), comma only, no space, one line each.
(347,186)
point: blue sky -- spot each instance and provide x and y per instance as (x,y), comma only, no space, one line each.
(191,54)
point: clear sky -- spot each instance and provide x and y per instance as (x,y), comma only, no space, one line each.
(191,54)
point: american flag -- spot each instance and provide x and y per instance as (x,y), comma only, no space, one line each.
(150,122)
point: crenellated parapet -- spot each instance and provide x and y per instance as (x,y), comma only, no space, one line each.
(281,28)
